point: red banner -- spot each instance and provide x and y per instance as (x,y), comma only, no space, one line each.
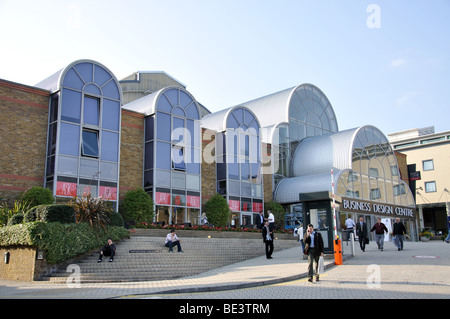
(193,201)
(234,205)
(257,207)
(162,198)
(66,189)
(108,193)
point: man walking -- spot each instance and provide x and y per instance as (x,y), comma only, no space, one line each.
(267,235)
(314,249)
(379,229)
(361,231)
(399,231)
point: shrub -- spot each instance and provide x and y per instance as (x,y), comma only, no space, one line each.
(19,207)
(64,214)
(91,210)
(60,241)
(137,206)
(217,211)
(38,196)
(116,219)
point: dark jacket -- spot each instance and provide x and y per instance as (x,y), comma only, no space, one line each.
(361,232)
(264,233)
(108,248)
(379,228)
(399,229)
(318,243)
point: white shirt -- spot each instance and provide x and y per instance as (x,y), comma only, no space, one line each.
(271,218)
(169,238)
(349,223)
(268,237)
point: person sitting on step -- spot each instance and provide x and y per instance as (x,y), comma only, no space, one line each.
(171,240)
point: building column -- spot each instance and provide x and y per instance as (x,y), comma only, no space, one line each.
(421,224)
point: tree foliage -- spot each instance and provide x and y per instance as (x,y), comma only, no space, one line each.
(217,211)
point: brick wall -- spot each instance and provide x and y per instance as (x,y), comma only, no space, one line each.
(131,151)
(208,181)
(23,138)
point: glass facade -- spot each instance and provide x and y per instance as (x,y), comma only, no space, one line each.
(84,133)
(172,157)
(374,175)
(238,158)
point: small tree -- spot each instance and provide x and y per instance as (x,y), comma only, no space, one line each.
(91,210)
(38,196)
(137,206)
(217,211)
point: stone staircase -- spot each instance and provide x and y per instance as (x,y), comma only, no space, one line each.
(144,258)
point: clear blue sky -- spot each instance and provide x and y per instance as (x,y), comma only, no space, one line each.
(394,76)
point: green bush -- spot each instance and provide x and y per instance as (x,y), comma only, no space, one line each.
(137,206)
(217,211)
(60,242)
(277,211)
(116,219)
(64,214)
(38,196)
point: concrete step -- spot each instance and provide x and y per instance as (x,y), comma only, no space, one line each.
(156,263)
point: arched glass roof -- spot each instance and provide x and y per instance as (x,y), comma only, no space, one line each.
(363,162)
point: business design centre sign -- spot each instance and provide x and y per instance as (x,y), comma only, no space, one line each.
(377,208)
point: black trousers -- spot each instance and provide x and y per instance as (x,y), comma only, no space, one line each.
(362,242)
(107,252)
(269,248)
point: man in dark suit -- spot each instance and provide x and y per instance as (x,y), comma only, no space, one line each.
(260,220)
(361,232)
(314,249)
(267,235)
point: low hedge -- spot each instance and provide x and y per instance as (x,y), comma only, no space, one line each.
(51,213)
(60,242)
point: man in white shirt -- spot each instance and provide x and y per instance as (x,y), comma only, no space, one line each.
(350,224)
(171,240)
(271,220)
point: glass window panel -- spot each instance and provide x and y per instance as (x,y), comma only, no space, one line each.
(178,111)
(430,187)
(172,96)
(148,178)
(178,180)
(162,178)
(69,143)
(163,159)
(178,130)
(111,90)
(91,110)
(110,146)
(52,130)
(101,76)
(246,189)
(301,131)
(428,165)
(310,131)
(88,168)
(89,145)
(239,115)
(71,106)
(192,112)
(193,166)
(193,182)
(67,165)
(185,100)
(88,187)
(255,172)
(149,128)
(233,169)
(178,161)
(148,163)
(108,171)
(293,130)
(221,170)
(163,126)
(256,190)
(231,122)
(222,187)
(245,171)
(179,199)
(248,117)
(91,88)
(164,104)
(246,205)
(85,70)
(194,132)
(72,80)
(111,115)
(232,142)
(234,188)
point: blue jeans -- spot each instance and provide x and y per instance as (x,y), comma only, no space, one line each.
(448,236)
(171,244)
(399,241)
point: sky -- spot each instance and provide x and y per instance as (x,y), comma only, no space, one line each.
(382,63)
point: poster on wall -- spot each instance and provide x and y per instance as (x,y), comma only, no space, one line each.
(66,189)
(193,201)
(108,193)
(162,198)
(234,205)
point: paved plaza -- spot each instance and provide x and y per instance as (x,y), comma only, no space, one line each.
(420,271)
